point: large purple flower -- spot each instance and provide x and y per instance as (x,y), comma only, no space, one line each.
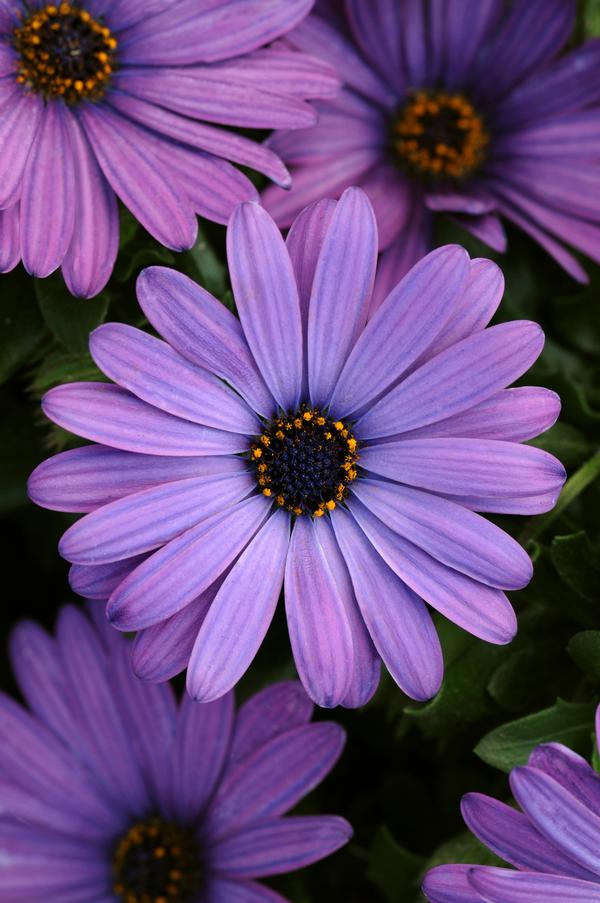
(374,443)
(112,97)
(553,842)
(465,108)
(112,791)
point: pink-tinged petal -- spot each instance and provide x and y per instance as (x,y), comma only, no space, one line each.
(100,581)
(217,32)
(510,834)
(202,330)
(506,886)
(199,754)
(478,467)
(157,374)
(22,114)
(266,296)
(513,415)
(558,815)
(241,613)
(341,292)
(390,194)
(270,712)
(125,154)
(456,379)
(483,611)
(83,479)
(304,242)
(320,633)
(398,621)
(275,777)
(570,770)
(145,520)
(184,568)
(48,195)
(163,650)
(92,252)
(405,251)
(10,235)
(487,228)
(453,535)
(449,884)
(217,141)
(112,416)
(220,890)
(416,311)
(279,68)
(276,846)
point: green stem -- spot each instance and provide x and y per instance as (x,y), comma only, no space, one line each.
(582,478)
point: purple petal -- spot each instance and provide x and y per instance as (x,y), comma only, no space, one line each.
(342,287)
(48,195)
(184,568)
(22,113)
(377,29)
(483,611)
(202,330)
(114,417)
(220,890)
(100,581)
(281,845)
(270,712)
(416,310)
(319,630)
(275,777)
(405,251)
(453,535)
(266,295)
(469,201)
(304,242)
(145,520)
(241,613)
(458,39)
(286,71)
(398,621)
(160,376)
(10,244)
(90,258)
(573,135)
(390,195)
(449,884)
(456,379)
(504,886)
(570,770)
(124,152)
(487,228)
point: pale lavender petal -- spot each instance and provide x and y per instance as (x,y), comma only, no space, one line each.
(202,329)
(281,69)
(505,886)
(402,328)
(390,195)
(184,568)
(453,535)
(456,379)
(145,520)
(398,621)
(266,296)
(91,255)
(137,176)
(270,712)
(449,884)
(276,846)
(341,292)
(570,770)
(157,374)
(47,208)
(241,613)
(304,242)
(22,114)
(408,248)
(10,244)
(112,416)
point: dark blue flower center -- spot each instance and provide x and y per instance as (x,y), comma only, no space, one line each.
(157,861)
(305,461)
(439,134)
(64,53)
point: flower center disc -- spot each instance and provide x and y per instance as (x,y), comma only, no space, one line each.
(305,461)
(64,52)
(156,862)
(439,134)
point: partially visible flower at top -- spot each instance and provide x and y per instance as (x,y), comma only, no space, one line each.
(126,97)
(464,107)
(113,792)
(552,843)
(374,442)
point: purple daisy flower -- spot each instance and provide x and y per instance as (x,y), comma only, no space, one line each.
(125,98)
(302,441)
(552,842)
(113,791)
(455,111)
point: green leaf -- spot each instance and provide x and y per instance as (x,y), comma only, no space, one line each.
(22,328)
(510,744)
(57,368)
(578,564)
(391,868)
(69,319)
(566,442)
(592,18)
(584,649)
(204,266)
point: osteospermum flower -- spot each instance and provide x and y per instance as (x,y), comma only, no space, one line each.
(113,791)
(123,97)
(552,842)
(303,443)
(466,108)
